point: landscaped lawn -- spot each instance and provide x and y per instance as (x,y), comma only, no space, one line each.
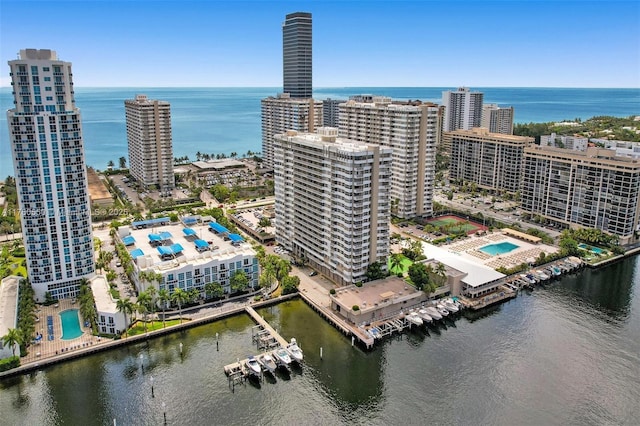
(138,326)
(406,262)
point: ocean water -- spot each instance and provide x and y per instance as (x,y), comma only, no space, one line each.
(225,120)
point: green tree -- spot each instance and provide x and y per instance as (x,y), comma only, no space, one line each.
(264,222)
(375,271)
(122,162)
(290,284)
(163,297)
(396,262)
(179,296)
(238,281)
(144,301)
(12,338)
(419,274)
(125,306)
(110,164)
(213,290)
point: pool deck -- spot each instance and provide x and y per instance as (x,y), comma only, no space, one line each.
(48,348)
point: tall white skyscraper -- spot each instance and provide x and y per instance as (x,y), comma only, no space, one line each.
(412,130)
(332,201)
(150,142)
(497,119)
(463,109)
(45,131)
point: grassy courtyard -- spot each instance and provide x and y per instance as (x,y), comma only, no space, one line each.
(406,262)
(138,326)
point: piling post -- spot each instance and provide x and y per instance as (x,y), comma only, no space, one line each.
(320,352)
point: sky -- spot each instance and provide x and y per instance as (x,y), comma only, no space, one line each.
(162,43)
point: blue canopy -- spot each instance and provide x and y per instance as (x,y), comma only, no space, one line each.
(189,231)
(171,250)
(136,253)
(189,220)
(155,237)
(128,240)
(235,238)
(218,228)
(176,248)
(201,243)
(165,235)
(162,236)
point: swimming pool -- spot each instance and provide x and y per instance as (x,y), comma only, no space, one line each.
(499,248)
(593,249)
(70,324)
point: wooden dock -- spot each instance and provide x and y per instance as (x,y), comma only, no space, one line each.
(265,325)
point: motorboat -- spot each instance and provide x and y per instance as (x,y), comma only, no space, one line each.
(450,306)
(294,351)
(414,318)
(282,357)
(268,363)
(425,315)
(253,365)
(527,279)
(454,300)
(442,310)
(433,313)
(542,275)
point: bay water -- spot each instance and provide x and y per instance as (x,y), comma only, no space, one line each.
(565,354)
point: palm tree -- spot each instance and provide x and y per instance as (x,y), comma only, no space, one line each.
(144,300)
(179,296)
(396,262)
(12,338)
(163,297)
(126,307)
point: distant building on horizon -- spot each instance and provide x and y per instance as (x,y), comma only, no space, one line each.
(412,130)
(463,109)
(594,188)
(574,143)
(330,112)
(47,147)
(492,161)
(497,119)
(332,202)
(297,55)
(150,142)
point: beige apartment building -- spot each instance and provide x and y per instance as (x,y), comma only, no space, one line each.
(492,161)
(332,202)
(412,130)
(593,189)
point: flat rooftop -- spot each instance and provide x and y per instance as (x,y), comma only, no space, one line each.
(101,294)
(375,293)
(218,164)
(212,244)
(8,303)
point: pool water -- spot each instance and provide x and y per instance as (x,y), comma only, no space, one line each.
(70,324)
(499,248)
(593,249)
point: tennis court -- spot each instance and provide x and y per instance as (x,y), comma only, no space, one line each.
(454,223)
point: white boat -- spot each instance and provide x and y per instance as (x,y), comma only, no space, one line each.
(442,310)
(294,351)
(433,313)
(425,315)
(450,306)
(268,363)
(282,357)
(253,366)
(414,318)
(543,276)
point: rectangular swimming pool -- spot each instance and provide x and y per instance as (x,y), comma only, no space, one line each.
(70,324)
(498,248)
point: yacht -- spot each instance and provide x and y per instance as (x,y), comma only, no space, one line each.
(450,306)
(282,357)
(542,275)
(268,363)
(253,366)
(294,351)
(433,313)
(414,318)
(425,315)
(442,310)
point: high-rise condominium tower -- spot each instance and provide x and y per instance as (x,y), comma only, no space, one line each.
(332,202)
(463,109)
(150,142)
(412,131)
(497,119)
(297,58)
(45,131)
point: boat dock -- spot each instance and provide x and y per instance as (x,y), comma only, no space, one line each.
(265,325)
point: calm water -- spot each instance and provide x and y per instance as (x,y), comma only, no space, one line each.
(224,120)
(568,354)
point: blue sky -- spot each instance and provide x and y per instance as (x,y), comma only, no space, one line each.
(374,43)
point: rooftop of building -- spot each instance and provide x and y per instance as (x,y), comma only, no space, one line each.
(485,133)
(97,189)
(102,295)
(8,303)
(376,293)
(601,155)
(194,239)
(226,163)
(327,137)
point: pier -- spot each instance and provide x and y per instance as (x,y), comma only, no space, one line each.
(265,325)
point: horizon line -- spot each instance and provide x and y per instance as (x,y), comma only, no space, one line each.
(348,87)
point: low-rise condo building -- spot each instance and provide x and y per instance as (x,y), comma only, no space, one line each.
(109,319)
(332,202)
(592,189)
(187,255)
(574,143)
(492,161)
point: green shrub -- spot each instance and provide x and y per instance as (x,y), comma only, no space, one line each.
(359,284)
(332,291)
(9,363)
(356,308)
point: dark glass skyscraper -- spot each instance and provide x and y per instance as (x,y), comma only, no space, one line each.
(297,57)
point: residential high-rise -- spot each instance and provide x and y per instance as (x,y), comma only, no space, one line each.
(330,112)
(282,113)
(412,130)
(463,109)
(593,188)
(332,202)
(45,131)
(297,55)
(497,119)
(150,142)
(492,161)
